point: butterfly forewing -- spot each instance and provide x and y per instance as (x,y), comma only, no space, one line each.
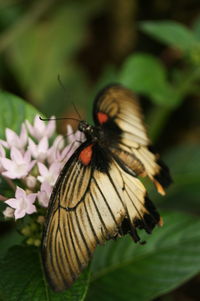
(124,122)
(122,108)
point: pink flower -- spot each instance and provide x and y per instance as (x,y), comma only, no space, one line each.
(75,139)
(19,165)
(70,133)
(53,153)
(77,136)
(22,203)
(4,143)
(40,129)
(12,139)
(24,152)
(67,152)
(49,175)
(39,151)
(44,194)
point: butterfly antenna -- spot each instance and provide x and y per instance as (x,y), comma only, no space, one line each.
(63,87)
(76,110)
(59,118)
(61,83)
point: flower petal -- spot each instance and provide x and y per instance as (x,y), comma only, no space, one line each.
(55,168)
(20,193)
(16,155)
(10,175)
(23,136)
(32,147)
(31,209)
(47,188)
(7,163)
(4,143)
(12,203)
(31,198)
(27,157)
(30,127)
(43,199)
(2,151)
(43,145)
(19,213)
(50,128)
(31,164)
(70,134)
(43,170)
(12,138)
(39,125)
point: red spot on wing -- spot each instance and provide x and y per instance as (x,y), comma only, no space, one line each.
(102,117)
(86,155)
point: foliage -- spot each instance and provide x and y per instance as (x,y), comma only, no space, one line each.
(11,105)
(172,34)
(31,285)
(120,270)
(148,271)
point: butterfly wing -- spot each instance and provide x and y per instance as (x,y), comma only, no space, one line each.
(93,200)
(117,111)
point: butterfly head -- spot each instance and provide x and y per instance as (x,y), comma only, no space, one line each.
(91,132)
(84,126)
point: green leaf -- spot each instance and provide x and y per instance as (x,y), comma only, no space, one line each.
(171,33)
(196,28)
(146,75)
(9,14)
(126,271)
(109,76)
(48,49)
(8,240)
(23,279)
(13,112)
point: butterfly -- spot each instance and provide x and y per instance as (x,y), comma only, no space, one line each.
(98,195)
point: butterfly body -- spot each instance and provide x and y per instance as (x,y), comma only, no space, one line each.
(98,195)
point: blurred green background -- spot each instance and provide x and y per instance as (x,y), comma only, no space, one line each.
(153,48)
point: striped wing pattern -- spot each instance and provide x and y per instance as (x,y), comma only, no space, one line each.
(123,110)
(121,105)
(87,208)
(98,195)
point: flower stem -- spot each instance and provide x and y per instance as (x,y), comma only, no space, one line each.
(3,198)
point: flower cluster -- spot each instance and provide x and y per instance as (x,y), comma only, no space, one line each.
(30,164)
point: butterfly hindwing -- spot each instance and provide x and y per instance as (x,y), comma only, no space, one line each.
(117,111)
(93,200)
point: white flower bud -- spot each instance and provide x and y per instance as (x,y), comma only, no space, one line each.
(9,212)
(30,181)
